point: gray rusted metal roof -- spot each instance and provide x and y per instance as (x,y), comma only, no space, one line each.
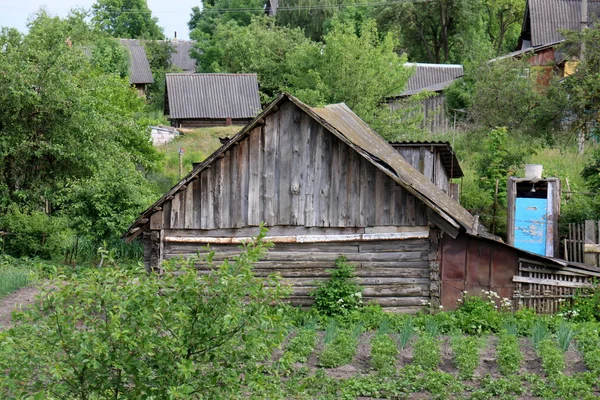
(348,127)
(181,58)
(432,77)
(139,67)
(189,96)
(544,19)
(447,155)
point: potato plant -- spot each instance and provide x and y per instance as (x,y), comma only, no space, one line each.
(466,355)
(508,353)
(553,359)
(427,352)
(340,350)
(383,352)
(300,347)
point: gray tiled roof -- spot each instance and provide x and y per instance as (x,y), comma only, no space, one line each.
(549,17)
(434,77)
(139,67)
(211,96)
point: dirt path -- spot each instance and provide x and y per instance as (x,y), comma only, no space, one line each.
(21,298)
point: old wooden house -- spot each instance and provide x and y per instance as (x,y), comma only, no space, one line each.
(326,184)
(196,100)
(140,74)
(432,78)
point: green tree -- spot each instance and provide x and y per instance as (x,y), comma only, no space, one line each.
(128,19)
(503,23)
(121,333)
(63,122)
(159,56)
(110,57)
(203,22)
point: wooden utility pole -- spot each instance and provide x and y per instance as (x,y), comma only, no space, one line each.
(180,163)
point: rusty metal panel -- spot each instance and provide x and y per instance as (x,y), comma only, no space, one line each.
(478,263)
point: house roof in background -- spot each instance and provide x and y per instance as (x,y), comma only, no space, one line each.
(548,17)
(139,67)
(211,96)
(342,122)
(271,7)
(432,77)
(447,155)
(180,58)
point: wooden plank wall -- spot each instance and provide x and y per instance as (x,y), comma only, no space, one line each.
(394,273)
(428,161)
(291,171)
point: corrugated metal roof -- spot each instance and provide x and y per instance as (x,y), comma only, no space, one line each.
(548,17)
(211,96)
(181,58)
(348,127)
(139,67)
(433,77)
(449,159)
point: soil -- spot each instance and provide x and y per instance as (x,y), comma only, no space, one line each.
(21,298)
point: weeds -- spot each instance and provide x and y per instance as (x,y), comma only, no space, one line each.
(466,355)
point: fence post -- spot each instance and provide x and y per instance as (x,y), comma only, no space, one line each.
(590,238)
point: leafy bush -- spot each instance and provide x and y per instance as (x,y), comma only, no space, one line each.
(466,355)
(477,315)
(383,352)
(338,295)
(33,233)
(508,354)
(118,332)
(426,352)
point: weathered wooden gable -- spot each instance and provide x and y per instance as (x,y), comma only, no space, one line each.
(292,171)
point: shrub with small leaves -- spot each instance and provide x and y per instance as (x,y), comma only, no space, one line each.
(427,352)
(466,355)
(383,352)
(508,353)
(340,294)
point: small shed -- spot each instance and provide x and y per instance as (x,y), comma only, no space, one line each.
(432,78)
(197,100)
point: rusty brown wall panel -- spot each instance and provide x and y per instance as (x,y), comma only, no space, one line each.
(478,263)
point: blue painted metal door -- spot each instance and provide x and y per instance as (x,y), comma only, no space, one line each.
(530,225)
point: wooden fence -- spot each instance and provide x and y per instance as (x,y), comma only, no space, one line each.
(545,288)
(581,245)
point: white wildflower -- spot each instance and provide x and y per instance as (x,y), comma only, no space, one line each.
(441,307)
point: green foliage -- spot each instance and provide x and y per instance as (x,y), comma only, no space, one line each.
(539,333)
(110,57)
(440,385)
(204,23)
(503,388)
(477,315)
(585,305)
(339,294)
(128,19)
(383,352)
(108,334)
(466,355)
(70,135)
(508,354)
(300,347)
(33,233)
(340,350)
(13,276)
(406,332)
(426,352)
(553,359)
(564,335)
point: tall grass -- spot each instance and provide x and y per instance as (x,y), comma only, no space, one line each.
(12,279)
(539,333)
(564,335)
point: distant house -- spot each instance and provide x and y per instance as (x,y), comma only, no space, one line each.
(140,73)
(543,22)
(325,184)
(433,78)
(196,100)
(271,7)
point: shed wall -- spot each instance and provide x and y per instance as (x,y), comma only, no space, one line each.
(291,172)
(394,273)
(428,162)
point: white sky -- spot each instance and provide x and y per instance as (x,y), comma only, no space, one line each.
(172,15)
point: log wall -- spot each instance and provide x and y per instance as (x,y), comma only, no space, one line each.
(394,273)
